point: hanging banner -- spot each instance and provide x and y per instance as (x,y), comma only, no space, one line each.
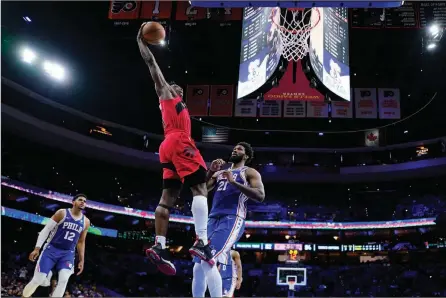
(222,99)
(294,85)
(371,138)
(365,103)
(246,108)
(187,12)
(226,14)
(271,109)
(158,10)
(317,109)
(124,10)
(197,99)
(389,103)
(294,109)
(341,109)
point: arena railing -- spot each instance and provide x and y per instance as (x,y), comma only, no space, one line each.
(419,222)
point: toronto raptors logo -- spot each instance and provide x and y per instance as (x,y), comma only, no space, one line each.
(189,152)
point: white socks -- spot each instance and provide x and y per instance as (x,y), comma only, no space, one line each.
(161,240)
(198,281)
(200,214)
(213,279)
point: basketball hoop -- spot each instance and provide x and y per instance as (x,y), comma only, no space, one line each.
(294,27)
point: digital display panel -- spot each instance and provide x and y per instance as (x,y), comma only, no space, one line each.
(329,49)
(260,50)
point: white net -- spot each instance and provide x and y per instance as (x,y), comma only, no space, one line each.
(295,29)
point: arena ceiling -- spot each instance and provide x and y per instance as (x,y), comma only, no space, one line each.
(110,80)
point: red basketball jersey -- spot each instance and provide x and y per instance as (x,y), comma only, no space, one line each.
(175,116)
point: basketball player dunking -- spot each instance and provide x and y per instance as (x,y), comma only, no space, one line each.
(229,208)
(66,229)
(182,162)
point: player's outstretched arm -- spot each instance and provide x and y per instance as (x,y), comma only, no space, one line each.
(43,235)
(162,88)
(81,246)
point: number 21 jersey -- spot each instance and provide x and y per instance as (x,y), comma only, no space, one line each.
(67,232)
(228,199)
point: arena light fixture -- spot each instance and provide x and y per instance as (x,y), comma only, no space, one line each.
(54,70)
(28,55)
(27,19)
(431,46)
(163,42)
(434,29)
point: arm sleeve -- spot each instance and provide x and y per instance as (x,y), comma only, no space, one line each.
(43,235)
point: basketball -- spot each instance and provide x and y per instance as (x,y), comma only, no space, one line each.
(153,33)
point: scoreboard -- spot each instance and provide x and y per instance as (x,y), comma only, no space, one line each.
(412,15)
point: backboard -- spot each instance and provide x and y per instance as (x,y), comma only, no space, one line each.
(287,274)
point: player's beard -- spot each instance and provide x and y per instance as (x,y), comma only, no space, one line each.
(236,158)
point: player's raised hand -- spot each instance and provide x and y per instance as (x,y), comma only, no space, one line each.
(80,266)
(217,164)
(34,255)
(228,175)
(139,36)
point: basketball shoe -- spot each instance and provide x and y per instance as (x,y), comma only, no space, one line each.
(202,251)
(161,259)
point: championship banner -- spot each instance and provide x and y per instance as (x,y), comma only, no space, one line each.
(294,85)
(124,10)
(365,103)
(246,108)
(187,12)
(226,14)
(271,109)
(389,103)
(160,10)
(371,138)
(294,109)
(341,109)
(222,100)
(317,109)
(197,99)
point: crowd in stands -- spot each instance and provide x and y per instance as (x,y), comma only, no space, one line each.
(17,271)
(139,278)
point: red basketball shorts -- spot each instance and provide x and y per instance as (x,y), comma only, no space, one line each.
(179,156)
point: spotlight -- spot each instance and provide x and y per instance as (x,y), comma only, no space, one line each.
(54,70)
(27,19)
(162,42)
(431,46)
(28,56)
(434,29)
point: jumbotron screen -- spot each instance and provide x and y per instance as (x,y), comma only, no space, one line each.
(260,50)
(329,50)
